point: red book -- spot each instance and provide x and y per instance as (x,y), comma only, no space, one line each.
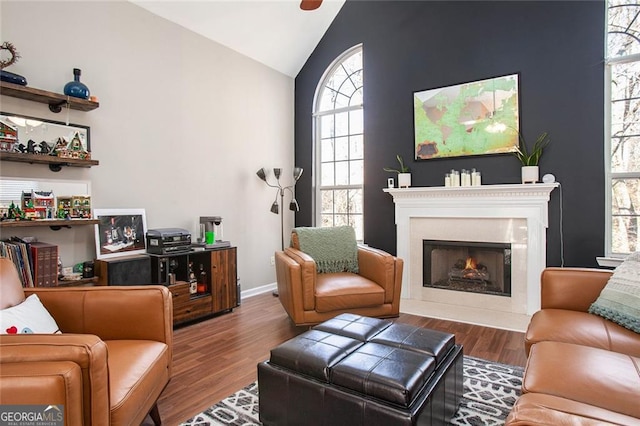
(45,264)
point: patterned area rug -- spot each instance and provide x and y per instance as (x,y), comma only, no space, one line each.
(490,390)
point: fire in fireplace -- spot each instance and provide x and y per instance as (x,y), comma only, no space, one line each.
(467,266)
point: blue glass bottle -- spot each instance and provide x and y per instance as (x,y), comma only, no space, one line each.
(75,88)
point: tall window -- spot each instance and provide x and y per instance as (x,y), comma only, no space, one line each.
(623,127)
(339,144)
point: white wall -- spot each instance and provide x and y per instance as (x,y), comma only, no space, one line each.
(183,125)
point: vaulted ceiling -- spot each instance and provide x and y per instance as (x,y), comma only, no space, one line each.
(276,33)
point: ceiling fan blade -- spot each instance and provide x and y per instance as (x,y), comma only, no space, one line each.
(310,4)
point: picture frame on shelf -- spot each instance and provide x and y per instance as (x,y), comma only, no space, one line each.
(476,118)
(121,232)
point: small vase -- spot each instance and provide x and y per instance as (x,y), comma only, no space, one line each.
(75,88)
(404,180)
(530,174)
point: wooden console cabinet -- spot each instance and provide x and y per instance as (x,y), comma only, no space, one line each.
(220,290)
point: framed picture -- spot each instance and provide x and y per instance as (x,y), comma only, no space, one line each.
(476,118)
(121,232)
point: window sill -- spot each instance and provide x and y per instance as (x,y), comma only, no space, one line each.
(609,262)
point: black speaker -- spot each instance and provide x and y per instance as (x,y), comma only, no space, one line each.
(130,270)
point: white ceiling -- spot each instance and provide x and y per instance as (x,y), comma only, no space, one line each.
(276,33)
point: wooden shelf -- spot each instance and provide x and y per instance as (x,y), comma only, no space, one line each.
(57,223)
(55,100)
(55,163)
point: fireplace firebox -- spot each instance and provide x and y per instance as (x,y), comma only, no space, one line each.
(467,266)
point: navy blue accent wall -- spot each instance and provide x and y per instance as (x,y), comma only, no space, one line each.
(556,47)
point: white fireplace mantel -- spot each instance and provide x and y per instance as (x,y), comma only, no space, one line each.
(517,201)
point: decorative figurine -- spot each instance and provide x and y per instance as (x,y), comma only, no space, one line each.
(44,148)
(73,149)
(74,207)
(31,146)
(8,136)
(36,204)
(15,212)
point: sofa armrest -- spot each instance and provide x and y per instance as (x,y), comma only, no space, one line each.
(383,269)
(112,313)
(88,352)
(44,383)
(305,279)
(572,288)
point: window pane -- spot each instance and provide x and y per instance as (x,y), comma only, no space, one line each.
(338,78)
(355,122)
(624,235)
(353,63)
(341,220)
(327,174)
(342,124)
(626,197)
(341,201)
(356,172)
(326,126)
(625,154)
(625,212)
(356,147)
(356,222)
(342,173)
(342,149)
(356,99)
(625,96)
(341,101)
(355,201)
(624,28)
(327,98)
(327,201)
(327,153)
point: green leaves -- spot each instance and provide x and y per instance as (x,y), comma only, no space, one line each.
(402,169)
(531,158)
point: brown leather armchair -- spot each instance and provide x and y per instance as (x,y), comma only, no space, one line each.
(311,298)
(109,365)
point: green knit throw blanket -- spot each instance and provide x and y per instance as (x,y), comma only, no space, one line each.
(333,249)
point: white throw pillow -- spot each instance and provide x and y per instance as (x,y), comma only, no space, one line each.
(29,316)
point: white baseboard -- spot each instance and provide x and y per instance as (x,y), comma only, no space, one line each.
(258,290)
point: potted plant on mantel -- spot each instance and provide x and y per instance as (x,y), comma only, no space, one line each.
(404,173)
(529,160)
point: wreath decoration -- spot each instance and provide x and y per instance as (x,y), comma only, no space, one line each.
(14,54)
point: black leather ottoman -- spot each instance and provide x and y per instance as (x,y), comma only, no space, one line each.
(354,370)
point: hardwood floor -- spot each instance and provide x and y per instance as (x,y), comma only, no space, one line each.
(214,358)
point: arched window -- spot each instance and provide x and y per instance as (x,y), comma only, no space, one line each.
(339,144)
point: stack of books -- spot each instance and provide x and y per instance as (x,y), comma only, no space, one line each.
(37,262)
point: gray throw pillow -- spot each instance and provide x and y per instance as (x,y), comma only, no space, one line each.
(619,300)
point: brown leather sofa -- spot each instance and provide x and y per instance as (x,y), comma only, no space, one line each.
(311,298)
(581,368)
(109,365)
